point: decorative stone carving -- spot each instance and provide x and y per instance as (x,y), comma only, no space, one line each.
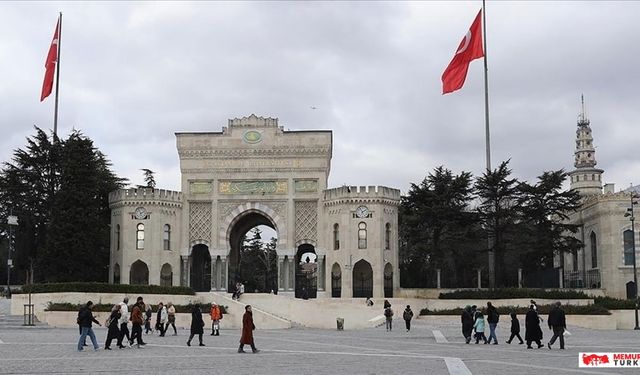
(306,220)
(200,221)
(306,186)
(200,187)
(252,187)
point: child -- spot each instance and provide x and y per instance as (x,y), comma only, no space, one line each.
(479,327)
(515,329)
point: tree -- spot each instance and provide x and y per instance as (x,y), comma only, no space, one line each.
(149,178)
(437,229)
(499,214)
(258,263)
(59,190)
(545,208)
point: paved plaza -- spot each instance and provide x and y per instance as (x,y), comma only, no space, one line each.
(427,349)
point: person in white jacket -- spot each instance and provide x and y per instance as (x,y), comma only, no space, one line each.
(164,318)
(123,321)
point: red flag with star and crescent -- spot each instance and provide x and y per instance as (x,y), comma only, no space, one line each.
(470,48)
(50,64)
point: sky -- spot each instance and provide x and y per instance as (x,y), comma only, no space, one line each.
(132,74)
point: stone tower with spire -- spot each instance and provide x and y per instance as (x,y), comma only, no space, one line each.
(586,178)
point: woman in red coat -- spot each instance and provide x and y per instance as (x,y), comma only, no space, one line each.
(247,330)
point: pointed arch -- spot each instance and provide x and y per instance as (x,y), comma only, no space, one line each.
(139,273)
(362,279)
(336,281)
(166,275)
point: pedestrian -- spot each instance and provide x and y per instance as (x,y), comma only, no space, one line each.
(386,304)
(532,332)
(407,315)
(474,312)
(535,307)
(515,329)
(478,325)
(136,323)
(85,320)
(197,324)
(388,314)
(171,318)
(163,315)
(247,331)
(492,318)
(467,323)
(558,323)
(158,318)
(369,302)
(216,316)
(236,293)
(80,329)
(112,325)
(147,319)
(124,321)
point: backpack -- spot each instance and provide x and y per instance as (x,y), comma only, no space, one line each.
(407,315)
(388,312)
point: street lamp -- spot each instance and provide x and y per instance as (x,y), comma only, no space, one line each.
(12,221)
(631,216)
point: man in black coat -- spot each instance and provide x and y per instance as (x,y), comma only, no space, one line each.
(492,319)
(467,323)
(558,324)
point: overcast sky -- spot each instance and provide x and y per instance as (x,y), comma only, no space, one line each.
(132,74)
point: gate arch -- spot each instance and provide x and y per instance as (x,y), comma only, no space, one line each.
(336,281)
(388,280)
(139,273)
(362,279)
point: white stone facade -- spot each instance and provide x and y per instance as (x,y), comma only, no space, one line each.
(256,173)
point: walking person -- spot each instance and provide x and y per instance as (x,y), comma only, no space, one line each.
(171,318)
(407,315)
(216,316)
(388,314)
(467,323)
(558,323)
(478,325)
(247,331)
(112,325)
(124,321)
(158,318)
(163,318)
(136,323)
(515,329)
(532,332)
(197,324)
(492,318)
(85,320)
(147,319)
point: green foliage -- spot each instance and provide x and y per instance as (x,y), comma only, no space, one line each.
(504,311)
(614,303)
(510,293)
(205,308)
(258,263)
(90,287)
(149,178)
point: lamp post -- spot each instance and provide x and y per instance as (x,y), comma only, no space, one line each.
(12,221)
(631,216)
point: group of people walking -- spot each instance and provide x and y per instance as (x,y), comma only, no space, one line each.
(119,318)
(473,320)
(407,315)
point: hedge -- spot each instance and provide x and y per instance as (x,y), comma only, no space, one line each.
(106,288)
(509,293)
(205,307)
(504,311)
(614,303)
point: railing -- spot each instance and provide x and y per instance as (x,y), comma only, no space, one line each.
(582,279)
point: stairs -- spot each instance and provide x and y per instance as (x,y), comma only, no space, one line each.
(8,321)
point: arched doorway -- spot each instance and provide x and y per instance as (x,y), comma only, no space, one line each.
(116,273)
(139,273)
(362,279)
(200,268)
(306,272)
(166,275)
(336,281)
(388,281)
(252,256)
(631,290)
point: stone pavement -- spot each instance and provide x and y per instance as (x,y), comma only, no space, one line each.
(43,350)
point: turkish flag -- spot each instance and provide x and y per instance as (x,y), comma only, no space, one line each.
(50,64)
(470,48)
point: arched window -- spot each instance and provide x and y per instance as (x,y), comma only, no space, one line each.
(117,237)
(387,236)
(336,237)
(362,235)
(627,237)
(140,237)
(116,273)
(167,237)
(594,250)
(166,275)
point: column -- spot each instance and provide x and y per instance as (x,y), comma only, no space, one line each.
(213,273)
(479,278)
(519,277)
(438,273)
(282,280)
(321,273)
(184,270)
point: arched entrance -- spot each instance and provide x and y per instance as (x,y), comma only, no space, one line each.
(200,268)
(306,272)
(166,275)
(336,281)
(139,273)
(252,258)
(362,279)
(388,281)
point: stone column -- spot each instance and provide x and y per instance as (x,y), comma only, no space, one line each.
(438,273)
(519,277)
(479,278)
(282,286)
(321,273)
(184,270)
(292,274)
(223,273)
(213,274)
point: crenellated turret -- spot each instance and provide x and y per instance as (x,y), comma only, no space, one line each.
(586,179)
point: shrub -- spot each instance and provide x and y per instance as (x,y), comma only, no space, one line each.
(504,311)
(106,288)
(107,307)
(508,293)
(614,303)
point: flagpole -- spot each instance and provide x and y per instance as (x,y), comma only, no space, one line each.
(55,114)
(490,239)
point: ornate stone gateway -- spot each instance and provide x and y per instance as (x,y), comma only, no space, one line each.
(253,173)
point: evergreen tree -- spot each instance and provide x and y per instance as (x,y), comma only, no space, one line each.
(149,178)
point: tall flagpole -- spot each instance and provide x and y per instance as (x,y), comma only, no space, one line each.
(55,114)
(490,239)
